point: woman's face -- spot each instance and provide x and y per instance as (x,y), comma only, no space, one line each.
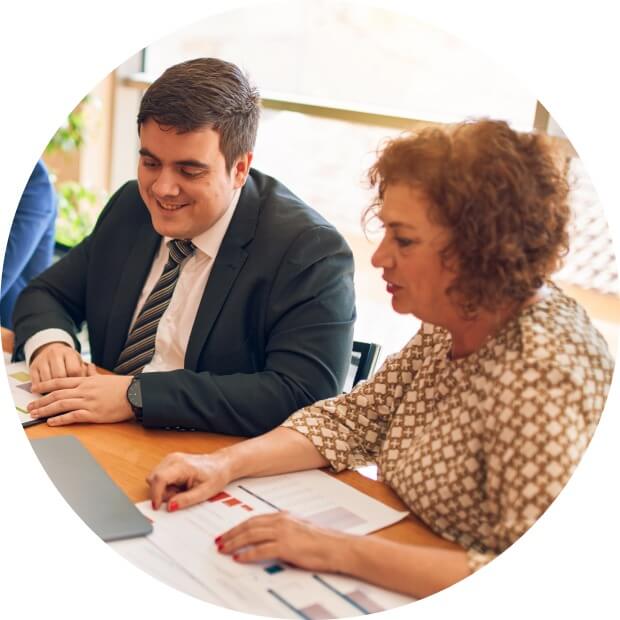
(409,255)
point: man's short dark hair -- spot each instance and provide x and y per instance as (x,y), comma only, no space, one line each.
(206,92)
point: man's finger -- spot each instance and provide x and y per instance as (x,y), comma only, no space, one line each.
(52,385)
(60,406)
(45,374)
(34,375)
(53,397)
(72,417)
(74,365)
(57,366)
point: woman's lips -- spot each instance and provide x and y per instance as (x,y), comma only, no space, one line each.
(392,288)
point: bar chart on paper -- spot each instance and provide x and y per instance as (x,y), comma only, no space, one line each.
(270,588)
(320,596)
(325,501)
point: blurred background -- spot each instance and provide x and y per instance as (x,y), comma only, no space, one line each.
(337,79)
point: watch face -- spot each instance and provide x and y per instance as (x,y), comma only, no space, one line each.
(134,393)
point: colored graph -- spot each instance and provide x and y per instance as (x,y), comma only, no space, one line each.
(306,503)
(356,597)
(307,611)
(26,387)
(324,599)
(20,376)
(229,500)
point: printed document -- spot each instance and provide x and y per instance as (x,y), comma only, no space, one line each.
(181,551)
(20,384)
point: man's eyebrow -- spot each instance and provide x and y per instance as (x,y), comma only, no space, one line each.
(190,163)
(146,153)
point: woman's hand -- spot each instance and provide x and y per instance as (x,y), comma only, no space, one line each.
(183,480)
(282,536)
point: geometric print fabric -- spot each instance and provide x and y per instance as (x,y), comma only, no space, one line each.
(477,447)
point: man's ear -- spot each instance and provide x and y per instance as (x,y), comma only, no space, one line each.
(241,169)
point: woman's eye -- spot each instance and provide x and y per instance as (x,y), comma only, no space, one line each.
(403,243)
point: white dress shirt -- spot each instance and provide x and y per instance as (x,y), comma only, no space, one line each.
(176,323)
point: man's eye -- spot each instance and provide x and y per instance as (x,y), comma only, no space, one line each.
(149,163)
(191,172)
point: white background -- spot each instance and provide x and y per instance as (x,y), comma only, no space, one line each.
(565,53)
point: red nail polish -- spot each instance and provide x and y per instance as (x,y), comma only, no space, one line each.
(220,546)
(217,540)
(153,505)
(235,557)
(172,506)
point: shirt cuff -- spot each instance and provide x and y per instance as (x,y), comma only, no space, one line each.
(45,336)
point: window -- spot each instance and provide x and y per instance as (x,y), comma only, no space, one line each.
(337,78)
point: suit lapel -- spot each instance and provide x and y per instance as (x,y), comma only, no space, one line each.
(130,283)
(228,263)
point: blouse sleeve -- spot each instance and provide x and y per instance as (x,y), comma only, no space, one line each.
(349,430)
(538,424)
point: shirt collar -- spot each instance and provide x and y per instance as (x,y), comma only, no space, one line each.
(209,241)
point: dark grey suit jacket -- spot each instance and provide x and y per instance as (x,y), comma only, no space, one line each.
(274,327)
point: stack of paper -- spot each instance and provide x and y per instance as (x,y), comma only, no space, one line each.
(20,384)
(181,551)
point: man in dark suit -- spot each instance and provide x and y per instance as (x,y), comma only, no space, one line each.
(221,301)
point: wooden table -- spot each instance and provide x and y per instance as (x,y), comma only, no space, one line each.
(128,452)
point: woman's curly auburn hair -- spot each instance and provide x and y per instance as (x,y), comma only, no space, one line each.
(500,194)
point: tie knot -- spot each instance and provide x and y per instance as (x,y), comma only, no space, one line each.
(180,249)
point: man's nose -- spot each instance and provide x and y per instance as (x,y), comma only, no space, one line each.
(165,184)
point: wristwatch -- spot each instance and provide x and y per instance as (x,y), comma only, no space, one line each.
(134,396)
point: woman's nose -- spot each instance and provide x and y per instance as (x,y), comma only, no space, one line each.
(381,257)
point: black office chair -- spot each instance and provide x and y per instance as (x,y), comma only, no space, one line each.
(363,360)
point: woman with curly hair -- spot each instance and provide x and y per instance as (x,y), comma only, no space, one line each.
(480,420)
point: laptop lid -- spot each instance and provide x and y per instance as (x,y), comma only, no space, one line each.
(89,490)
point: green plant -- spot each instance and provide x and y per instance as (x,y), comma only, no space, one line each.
(77,204)
(70,136)
(76,213)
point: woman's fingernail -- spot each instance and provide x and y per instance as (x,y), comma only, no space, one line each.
(153,505)
(235,557)
(172,506)
(217,540)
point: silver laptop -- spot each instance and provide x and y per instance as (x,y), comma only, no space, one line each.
(89,490)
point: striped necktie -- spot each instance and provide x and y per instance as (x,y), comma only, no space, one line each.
(140,345)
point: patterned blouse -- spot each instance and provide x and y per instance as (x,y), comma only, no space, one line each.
(477,447)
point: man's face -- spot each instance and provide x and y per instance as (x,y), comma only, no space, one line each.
(183,178)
